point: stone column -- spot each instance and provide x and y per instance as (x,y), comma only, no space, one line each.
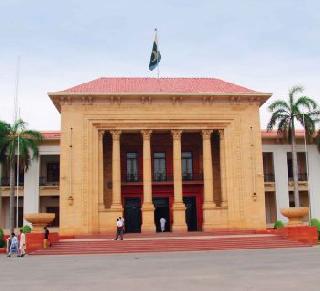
(208,203)
(116,171)
(179,216)
(31,189)
(147,206)
(101,168)
(280,165)
(224,200)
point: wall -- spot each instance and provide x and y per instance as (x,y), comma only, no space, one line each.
(244,182)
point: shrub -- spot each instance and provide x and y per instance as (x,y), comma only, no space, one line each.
(26,229)
(278,224)
(316,222)
(2,243)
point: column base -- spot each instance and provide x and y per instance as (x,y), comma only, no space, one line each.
(148,218)
(224,204)
(179,218)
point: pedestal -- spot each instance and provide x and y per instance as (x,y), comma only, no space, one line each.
(179,218)
(148,218)
(208,217)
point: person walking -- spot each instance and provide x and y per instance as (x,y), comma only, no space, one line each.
(14,245)
(46,242)
(22,244)
(163,224)
(123,225)
(119,229)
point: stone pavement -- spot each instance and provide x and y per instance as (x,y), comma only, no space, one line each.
(274,269)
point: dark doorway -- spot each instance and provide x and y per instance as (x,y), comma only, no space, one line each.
(132,215)
(161,209)
(191,213)
(56,221)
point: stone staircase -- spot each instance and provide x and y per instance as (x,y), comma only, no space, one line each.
(168,242)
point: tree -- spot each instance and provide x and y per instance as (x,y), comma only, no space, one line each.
(302,109)
(28,140)
(3,133)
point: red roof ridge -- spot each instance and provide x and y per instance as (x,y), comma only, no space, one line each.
(190,85)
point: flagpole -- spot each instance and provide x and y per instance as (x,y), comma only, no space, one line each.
(158,69)
(18,176)
(16,116)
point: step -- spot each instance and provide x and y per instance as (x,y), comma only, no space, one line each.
(105,246)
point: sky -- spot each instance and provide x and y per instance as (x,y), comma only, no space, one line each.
(268,46)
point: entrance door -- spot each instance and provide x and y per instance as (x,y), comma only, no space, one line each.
(191,213)
(161,206)
(55,210)
(132,214)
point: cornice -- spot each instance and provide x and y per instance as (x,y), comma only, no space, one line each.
(62,98)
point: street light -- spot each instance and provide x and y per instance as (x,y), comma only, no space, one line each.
(306,158)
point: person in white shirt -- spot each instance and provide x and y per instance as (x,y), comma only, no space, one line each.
(163,224)
(22,244)
(123,224)
(119,229)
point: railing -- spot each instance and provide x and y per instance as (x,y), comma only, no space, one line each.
(301,177)
(133,177)
(192,176)
(161,177)
(43,181)
(168,176)
(269,177)
(5,181)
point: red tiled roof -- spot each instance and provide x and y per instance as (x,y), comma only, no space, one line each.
(51,135)
(274,134)
(154,85)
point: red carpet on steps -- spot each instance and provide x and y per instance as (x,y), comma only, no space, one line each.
(167,243)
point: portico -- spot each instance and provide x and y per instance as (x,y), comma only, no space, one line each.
(123,150)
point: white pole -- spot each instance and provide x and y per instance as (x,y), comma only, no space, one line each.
(307,163)
(16,101)
(16,105)
(17,188)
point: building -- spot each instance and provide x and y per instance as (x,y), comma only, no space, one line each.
(186,149)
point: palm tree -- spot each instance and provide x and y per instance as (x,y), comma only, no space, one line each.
(3,132)
(284,114)
(29,140)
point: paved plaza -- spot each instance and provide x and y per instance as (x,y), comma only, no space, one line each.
(277,269)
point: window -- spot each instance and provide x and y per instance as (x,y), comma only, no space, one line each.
(159,166)
(20,216)
(302,172)
(186,160)
(132,167)
(53,172)
(268,167)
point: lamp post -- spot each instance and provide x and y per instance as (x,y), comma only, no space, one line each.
(307,164)
(306,159)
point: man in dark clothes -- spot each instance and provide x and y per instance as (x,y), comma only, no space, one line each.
(46,237)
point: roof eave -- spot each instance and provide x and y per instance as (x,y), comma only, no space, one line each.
(263,97)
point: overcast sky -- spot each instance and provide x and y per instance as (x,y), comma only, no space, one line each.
(264,45)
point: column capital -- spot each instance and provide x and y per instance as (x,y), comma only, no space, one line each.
(101,133)
(176,133)
(115,134)
(206,133)
(146,133)
(221,133)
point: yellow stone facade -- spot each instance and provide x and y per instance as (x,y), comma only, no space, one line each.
(88,207)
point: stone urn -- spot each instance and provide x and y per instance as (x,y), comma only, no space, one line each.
(295,215)
(39,220)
